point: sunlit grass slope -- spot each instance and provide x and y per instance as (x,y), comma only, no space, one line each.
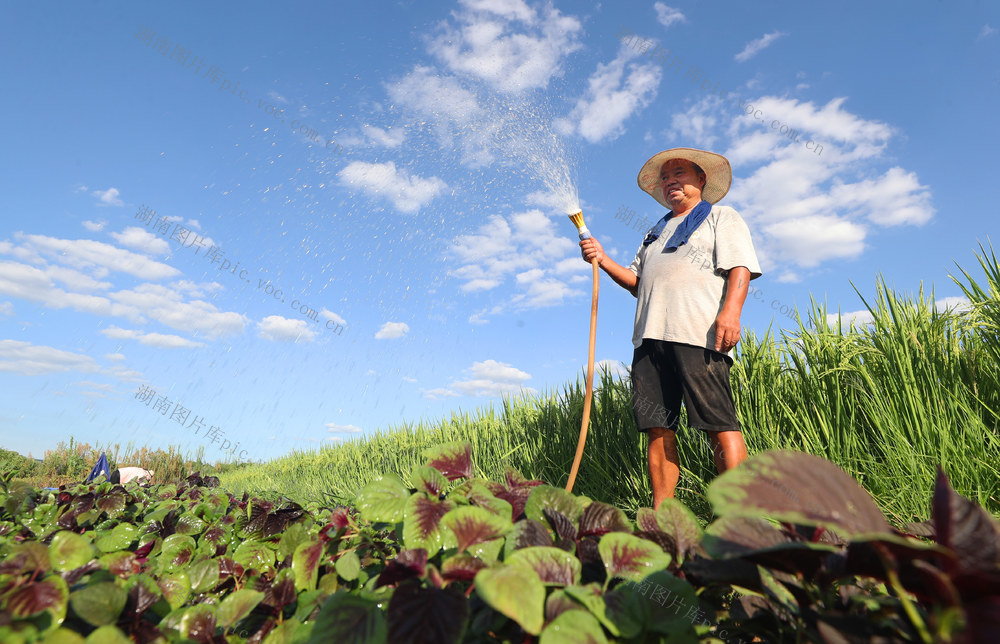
(887,401)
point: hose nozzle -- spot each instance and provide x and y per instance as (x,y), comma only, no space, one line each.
(577,219)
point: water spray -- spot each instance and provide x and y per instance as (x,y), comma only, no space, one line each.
(577,219)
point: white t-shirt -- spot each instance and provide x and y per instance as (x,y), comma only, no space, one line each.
(133,473)
(681,291)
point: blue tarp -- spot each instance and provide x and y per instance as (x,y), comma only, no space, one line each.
(100,468)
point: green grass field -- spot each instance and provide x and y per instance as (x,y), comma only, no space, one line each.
(888,402)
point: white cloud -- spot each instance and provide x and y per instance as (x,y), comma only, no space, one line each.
(389,138)
(124,374)
(813,240)
(392,330)
(327,314)
(32,360)
(407,193)
(527,248)
(615,91)
(168,306)
(342,429)
(6,308)
(955,303)
(114,357)
(281,329)
(408,379)
(440,392)
(510,9)
(108,197)
(507,45)
(805,208)
(491,378)
(86,253)
(35,285)
(614,367)
(95,226)
(160,340)
(756,46)
(142,240)
(667,16)
(852,318)
(100,386)
(985,32)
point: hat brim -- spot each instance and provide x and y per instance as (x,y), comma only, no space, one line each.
(718,172)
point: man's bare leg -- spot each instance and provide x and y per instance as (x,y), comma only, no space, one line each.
(664,466)
(728,449)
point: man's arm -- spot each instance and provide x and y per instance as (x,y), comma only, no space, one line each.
(727,324)
(622,276)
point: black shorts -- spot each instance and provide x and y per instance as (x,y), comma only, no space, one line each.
(663,371)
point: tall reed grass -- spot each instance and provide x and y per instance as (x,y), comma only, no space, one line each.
(888,401)
(72,462)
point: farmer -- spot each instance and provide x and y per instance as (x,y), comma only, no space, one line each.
(690,277)
(125,474)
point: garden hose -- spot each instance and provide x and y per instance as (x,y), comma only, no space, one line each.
(581,228)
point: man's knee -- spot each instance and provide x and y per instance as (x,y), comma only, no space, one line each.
(664,433)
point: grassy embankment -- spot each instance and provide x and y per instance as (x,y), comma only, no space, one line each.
(72,463)
(887,402)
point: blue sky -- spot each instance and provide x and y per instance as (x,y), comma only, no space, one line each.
(390,178)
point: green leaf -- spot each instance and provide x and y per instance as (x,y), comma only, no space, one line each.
(176,588)
(30,556)
(798,488)
(198,622)
(554,566)
(254,554)
(474,525)
(592,598)
(69,551)
(349,619)
(291,631)
(294,536)
(50,594)
(422,524)
(383,500)
(120,538)
(305,564)
(671,603)
(777,591)
(237,605)
(63,636)
(526,533)
(454,460)
(108,635)
(546,497)
(176,552)
(188,523)
(427,479)
(478,494)
(488,551)
(516,592)
(99,604)
(348,565)
(630,557)
(204,575)
(574,627)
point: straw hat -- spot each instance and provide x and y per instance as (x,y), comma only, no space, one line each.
(718,173)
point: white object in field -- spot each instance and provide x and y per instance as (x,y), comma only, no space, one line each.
(134,474)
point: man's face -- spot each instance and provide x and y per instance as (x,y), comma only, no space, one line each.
(681,183)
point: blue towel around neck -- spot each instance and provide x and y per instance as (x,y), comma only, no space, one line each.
(683,232)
